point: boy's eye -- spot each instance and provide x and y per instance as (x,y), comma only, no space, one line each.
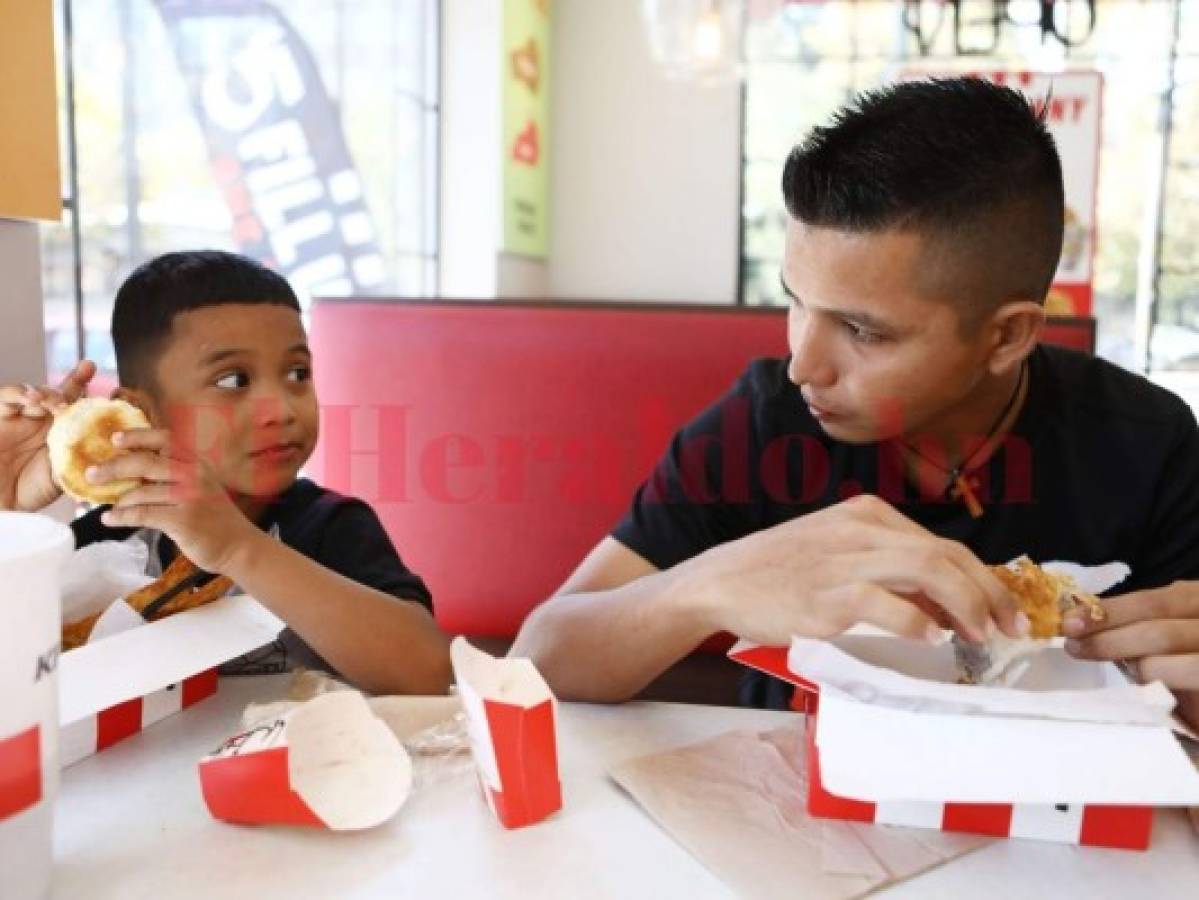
(299,373)
(232,381)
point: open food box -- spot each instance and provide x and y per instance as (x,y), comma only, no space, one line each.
(118,684)
(1072,753)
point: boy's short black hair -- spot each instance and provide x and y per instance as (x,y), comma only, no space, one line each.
(156,291)
(967,164)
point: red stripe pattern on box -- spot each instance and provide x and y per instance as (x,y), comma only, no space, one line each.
(20,772)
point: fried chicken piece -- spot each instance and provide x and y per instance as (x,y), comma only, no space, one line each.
(75,634)
(1045,597)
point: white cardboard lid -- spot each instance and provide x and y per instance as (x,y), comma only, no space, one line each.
(137,662)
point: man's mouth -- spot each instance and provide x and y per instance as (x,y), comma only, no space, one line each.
(822,413)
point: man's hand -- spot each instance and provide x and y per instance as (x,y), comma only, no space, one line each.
(26,414)
(180,497)
(1157,629)
(858,561)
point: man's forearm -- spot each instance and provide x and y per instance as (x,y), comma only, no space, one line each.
(381,644)
(605,646)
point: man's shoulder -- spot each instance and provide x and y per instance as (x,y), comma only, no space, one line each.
(1096,388)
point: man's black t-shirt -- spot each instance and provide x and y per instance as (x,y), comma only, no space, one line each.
(1101,465)
(341,533)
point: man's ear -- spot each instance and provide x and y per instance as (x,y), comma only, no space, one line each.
(141,399)
(1015,329)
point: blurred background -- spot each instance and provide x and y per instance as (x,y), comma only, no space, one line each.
(379,147)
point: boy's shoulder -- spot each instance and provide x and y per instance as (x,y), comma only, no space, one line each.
(303,513)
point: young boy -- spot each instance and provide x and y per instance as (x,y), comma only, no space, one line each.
(211,347)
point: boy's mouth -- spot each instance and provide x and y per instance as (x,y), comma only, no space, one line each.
(278,453)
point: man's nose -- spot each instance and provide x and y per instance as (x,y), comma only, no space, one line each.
(811,361)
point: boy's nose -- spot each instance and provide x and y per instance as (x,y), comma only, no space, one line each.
(274,410)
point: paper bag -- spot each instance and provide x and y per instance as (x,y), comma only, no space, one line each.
(511,717)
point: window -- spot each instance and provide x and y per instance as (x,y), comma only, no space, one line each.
(300,132)
(807,59)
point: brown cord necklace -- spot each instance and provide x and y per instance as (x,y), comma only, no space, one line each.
(959,485)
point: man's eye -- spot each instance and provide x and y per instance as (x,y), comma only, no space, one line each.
(862,335)
(300,373)
(233,381)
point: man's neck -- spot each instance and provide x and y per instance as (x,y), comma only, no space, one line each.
(966,437)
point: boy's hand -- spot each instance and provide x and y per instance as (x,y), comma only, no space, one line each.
(181,497)
(26,414)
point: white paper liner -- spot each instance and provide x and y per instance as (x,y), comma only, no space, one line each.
(345,763)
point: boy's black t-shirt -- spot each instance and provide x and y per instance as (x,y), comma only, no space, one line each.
(1101,465)
(341,533)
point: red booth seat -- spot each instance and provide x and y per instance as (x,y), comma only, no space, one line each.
(500,441)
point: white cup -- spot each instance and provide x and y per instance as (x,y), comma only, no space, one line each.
(33,549)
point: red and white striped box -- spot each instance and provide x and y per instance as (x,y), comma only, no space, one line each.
(1123,825)
(91,734)
(327,763)
(512,721)
(115,687)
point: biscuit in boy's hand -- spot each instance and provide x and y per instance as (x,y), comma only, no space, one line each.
(81,437)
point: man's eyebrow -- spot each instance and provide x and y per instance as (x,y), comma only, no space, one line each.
(858,317)
(299,348)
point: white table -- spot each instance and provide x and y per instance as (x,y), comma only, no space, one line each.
(131,824)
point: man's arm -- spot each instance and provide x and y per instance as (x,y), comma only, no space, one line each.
(1158,630)
(614,626)
(618,623)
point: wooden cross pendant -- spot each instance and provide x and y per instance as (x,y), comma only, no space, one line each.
(961,487)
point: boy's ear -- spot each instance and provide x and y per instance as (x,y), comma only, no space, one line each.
(139,398)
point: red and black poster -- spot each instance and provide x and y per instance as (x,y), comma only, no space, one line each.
(276,145)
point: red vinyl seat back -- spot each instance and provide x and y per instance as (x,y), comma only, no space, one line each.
(499,442)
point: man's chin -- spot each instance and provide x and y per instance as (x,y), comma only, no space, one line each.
(848,431)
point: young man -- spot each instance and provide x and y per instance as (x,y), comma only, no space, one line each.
(211,347)
(926,225)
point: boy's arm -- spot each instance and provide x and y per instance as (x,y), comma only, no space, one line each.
(380,643)
(25,417)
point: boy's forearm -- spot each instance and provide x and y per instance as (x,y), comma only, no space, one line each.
(604,647)
(381,644)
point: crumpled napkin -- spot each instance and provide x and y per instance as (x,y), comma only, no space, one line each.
(431,726)
(100,573)
(736,802)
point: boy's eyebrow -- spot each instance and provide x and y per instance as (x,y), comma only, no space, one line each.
(220,355)
(861,318)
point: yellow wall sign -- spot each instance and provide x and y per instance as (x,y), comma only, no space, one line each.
(29,175)
(525,80)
